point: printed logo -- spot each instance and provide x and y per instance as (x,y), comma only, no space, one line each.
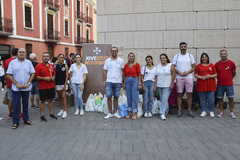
(164,70)
(227,68)
(63,69)
(96,50)
(210,68)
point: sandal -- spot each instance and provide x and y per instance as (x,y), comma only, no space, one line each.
(28,123)
(15,126)
(129,116)
(134,117)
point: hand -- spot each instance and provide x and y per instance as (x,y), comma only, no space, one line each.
(185,73)
(181,74)
(144,89)
(207,76)
(26,85)
(48,79)
(154,89)
(104,85)
(19,86)
(52,78)
(70,87)
(81,87)
(139,87)
(64,88)
(171,87)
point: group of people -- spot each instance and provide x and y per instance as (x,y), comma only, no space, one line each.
(132,78)
(44,79)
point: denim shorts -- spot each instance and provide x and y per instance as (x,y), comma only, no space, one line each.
(34,90)
(9,96)
(113,88)
(228,89)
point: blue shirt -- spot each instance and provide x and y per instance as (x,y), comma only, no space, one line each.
(21,72)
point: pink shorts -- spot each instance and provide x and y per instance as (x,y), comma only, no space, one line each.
(188,83)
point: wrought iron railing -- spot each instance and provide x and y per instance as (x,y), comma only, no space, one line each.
(80,15)
(89,20)
(6,25)
(52,3)
(51,35)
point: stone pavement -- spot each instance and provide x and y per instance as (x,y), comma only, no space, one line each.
(93,138)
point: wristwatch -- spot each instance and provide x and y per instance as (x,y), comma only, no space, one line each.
(29,83)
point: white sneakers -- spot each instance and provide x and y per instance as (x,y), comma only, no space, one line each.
(2,89)
(212,114)
(76,112)
(163,117)
(109,115)
(60,113)
(148,115)
(81,112)
(204,113)
(63,114)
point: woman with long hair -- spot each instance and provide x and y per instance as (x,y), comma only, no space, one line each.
(206,84)
(165,81)
(78,74)
(132,81)
(149,80)
(61,85)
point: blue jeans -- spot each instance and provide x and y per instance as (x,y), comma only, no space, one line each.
(132,93)
(164,93)
(17,95)
(34,90)
(148,96)
(228,89)
(204,96)
(113,88)
(77,95)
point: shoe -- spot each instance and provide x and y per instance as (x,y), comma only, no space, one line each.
(33,106)
(117,115)
(179,113)
(21,115)
(163,117)
(53,117)
(109,115)
(42,118)
(146,115)
(232,115)
(38,107)
(149,114)
(190,114)
(60,113)
(10,115)
(81,112)
(212,114)
(64,115)
(2,89)
(76,112)
(72,104)
(221,114)
(204,113)
(1,118)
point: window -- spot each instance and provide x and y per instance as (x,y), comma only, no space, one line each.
(78,5)
(78,51)
(28,15)
(50,26)
(28,50)
(66,2)
(87,35)
(66,51)
(51,51)
(87,10)
(66,27)
(78,30)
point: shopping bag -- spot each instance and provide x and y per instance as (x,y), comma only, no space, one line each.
(90,103)
(155,107)
(140,112)
(123,109)
(5,100)
(98,103)
(105,105)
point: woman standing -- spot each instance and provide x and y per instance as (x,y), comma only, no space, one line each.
(149,80)
(132,81)
(165,80)
(2,74)
(78,74)
(206,84)
(61,85)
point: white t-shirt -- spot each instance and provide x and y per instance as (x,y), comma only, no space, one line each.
(164,76)
(149,74)
(183,63)
(1,71)
(77,75)
(114,70)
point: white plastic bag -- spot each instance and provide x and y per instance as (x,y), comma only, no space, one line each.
(90,103)
(155,107)
(140,112)
(105,105)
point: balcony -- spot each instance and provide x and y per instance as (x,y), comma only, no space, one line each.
(89,41)
(80,16)
(54,5)
(51,36)
(89,21)
(6,27)
(79,41)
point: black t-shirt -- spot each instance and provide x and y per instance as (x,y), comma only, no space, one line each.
(60,74)
(34,65)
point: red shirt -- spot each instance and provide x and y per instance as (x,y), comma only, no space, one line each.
(224,70)
(45,71)
(208,84)
(6,64)
(132,72)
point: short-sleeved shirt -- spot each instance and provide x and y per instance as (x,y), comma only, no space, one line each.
(224,70)
(43,70)
(149,74)
(1,71)
(183,63)
(77,74)
(208,84)
(21,72)
(132,72)
(6,64)
(114,69)
(164,75)
(34,65)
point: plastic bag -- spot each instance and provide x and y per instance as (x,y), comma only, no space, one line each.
(140,112)
(90,103)
(105,105)
(155,107)
(98,102)
(122,106)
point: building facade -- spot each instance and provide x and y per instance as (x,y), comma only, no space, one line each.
(54,26)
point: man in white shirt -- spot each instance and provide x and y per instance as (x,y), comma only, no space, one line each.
(113,74)
(185,65)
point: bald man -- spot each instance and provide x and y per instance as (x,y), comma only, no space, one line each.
(21,73)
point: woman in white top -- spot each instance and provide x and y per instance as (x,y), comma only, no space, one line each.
(78,74)
(2,74)
(165,80)
(149,79)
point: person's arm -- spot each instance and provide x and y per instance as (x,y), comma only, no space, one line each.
(234,73)
(173,72)
(84,79)
(66,80)
(10,77)
(104,77)
(191,70)
(29,81)
(70,77)
(177,71)
(155,83)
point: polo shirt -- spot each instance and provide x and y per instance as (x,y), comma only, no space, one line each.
(6,64)
(45,71)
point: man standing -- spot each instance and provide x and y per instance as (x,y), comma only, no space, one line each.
(9,84)
(185,65)
(45,74)
(112,80)
(21,73)
(226,70)
(34,90)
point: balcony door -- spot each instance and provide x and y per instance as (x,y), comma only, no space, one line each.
(50,26)
(87,35)
(78,5)
(1,18)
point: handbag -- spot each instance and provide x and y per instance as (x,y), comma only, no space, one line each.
(5,100)
(141,90)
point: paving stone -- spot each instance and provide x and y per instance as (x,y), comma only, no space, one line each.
(174,155)
(90,125)
(187,156)
(67,146)
(133,156)
(120,156)
(101,134)
(82,156)
(115,146)
(213,155)
(159,155)
(136,125)
(127,124)
(54,156)
(186,144)
(41,156)
(172,133)
(91,146)
(66,156)
(80,134)
(151,145)
(109,125)
(163,145)
(94,156)
(111,134)
(121,134)
(209,144)
(142,134)
(90,134)
(26,156)
(152,134)
(139,146)
(79,146)
(100,125)
(103,146)
(118,125)
(106,156)
(199,155)
(227,155)
(127,146)
(131,134)
(198,144)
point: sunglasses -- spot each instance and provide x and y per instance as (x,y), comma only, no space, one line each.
(113,51)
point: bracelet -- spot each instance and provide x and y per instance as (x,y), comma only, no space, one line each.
(44,78)
(104,81)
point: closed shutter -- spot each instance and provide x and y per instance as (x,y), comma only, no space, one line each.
(66,27)
(78,31)
(51,50)
(50,26)
(28,50)
(28,17)
(78,5)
